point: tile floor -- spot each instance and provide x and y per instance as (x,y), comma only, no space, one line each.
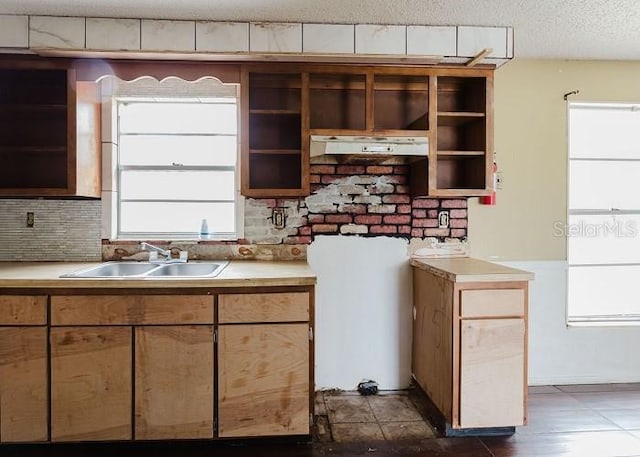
(344,417)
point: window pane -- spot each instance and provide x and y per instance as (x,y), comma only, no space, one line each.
(177,118)
(603,239)
(604,131)
(168,218)
(604,185)
(186,150)
(596,291)
(177,185)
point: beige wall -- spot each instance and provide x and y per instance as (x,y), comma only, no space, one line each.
(531,147)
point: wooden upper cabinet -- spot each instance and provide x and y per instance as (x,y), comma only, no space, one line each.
(49,131)
(368,101)
(463,162)
(284,105)
(275,149)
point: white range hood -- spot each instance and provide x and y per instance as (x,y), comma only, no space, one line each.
(369,146)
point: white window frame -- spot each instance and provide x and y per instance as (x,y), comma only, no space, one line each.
(605,319)
(116,169)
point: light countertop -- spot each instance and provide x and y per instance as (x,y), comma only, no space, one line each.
(468,269)
(242,273)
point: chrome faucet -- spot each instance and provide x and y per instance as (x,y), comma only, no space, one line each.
(166,253)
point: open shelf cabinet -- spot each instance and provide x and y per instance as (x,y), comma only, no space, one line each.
(49,131)
(274,157)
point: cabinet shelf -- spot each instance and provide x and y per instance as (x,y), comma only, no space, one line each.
(275,111)
(14,107)
(275,151)
(32,150)
(452,154)
(455,118)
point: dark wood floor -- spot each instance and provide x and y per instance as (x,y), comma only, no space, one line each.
(577,421)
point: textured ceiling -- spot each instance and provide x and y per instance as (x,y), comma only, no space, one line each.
(561,29)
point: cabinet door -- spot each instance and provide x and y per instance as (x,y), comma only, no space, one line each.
(90,383)
(263,380)
(174,382)
(23,384)
(492,373)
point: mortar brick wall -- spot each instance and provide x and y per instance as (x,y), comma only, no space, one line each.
(355,200)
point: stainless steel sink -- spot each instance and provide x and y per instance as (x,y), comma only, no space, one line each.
(195,270)
(141,270)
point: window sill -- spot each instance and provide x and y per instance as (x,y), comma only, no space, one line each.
(600,324)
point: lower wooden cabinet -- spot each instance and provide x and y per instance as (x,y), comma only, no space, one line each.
(263,379)
(23,384)
(23,368)
(145,366)
(174,382)
(91,383)
(469,349)
(491,372)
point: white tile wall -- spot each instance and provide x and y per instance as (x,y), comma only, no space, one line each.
(64,230)
(472,40)
(168,35)
(381,39)
(113,34)
(328,38)
(429,40)
(222,36)
(275,37)
(56,32)
(455,43)
(14,31)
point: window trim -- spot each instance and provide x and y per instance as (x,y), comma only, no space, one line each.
(115,169)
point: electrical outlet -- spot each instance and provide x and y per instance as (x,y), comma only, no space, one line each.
(499,180)
(278,218)
(443,219)
(31,219)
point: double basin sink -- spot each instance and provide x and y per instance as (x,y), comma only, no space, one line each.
(141,270)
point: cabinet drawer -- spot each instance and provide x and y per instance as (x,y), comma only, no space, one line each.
(23,309)
(492,302)
(270,307)
(131,309)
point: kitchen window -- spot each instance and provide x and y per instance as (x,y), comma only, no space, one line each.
(603,223)
(177,166)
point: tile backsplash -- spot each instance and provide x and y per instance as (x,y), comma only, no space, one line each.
(64,230)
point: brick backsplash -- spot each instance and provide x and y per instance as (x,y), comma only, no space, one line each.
(357,200)
(348,200)
(64,230)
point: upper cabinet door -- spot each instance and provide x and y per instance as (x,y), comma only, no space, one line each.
(275,149)
(49,131)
